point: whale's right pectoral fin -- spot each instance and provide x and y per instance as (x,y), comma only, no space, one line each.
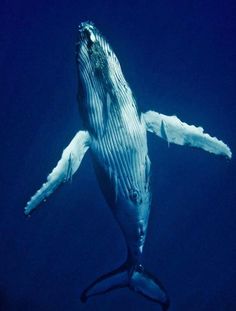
(173,130)
(66,167)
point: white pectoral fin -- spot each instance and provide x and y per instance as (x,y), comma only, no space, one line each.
(65,168)
(175,131)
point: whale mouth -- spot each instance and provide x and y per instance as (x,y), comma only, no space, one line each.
(87,32)
(91,43)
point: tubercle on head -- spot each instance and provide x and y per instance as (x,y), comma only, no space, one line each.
(84,24)
(87,33)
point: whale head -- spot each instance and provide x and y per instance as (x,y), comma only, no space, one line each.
(95,57)
(91,42)
(101,84)
(103,92)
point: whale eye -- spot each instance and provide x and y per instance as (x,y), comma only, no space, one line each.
(135,196)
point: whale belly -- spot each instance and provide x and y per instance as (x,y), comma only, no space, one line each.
(122,167)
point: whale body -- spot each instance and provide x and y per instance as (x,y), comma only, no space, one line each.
(115,132)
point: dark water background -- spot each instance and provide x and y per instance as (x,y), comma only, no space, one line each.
(179,58)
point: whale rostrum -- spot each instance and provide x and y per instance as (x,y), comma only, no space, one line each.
(115,132)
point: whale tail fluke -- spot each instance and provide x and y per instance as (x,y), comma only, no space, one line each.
(107,282)
(134,277)
(150,287)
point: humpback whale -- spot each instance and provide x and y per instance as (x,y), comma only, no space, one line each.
(115,133)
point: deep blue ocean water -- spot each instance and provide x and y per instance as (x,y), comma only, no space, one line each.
(179,58)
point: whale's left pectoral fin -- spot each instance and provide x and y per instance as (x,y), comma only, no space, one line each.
(65,168)
(175,131)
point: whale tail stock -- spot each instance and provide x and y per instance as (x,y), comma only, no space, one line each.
(173,130)
(135,278)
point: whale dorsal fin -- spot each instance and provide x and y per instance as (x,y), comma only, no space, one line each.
(175,131)
(64,170)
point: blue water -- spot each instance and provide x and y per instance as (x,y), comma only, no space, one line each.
(179,58)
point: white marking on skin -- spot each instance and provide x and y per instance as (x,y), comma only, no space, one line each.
(92,37)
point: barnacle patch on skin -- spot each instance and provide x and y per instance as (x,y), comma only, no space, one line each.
(98,57)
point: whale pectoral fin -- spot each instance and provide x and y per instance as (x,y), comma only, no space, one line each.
(173,130)
(66,167)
